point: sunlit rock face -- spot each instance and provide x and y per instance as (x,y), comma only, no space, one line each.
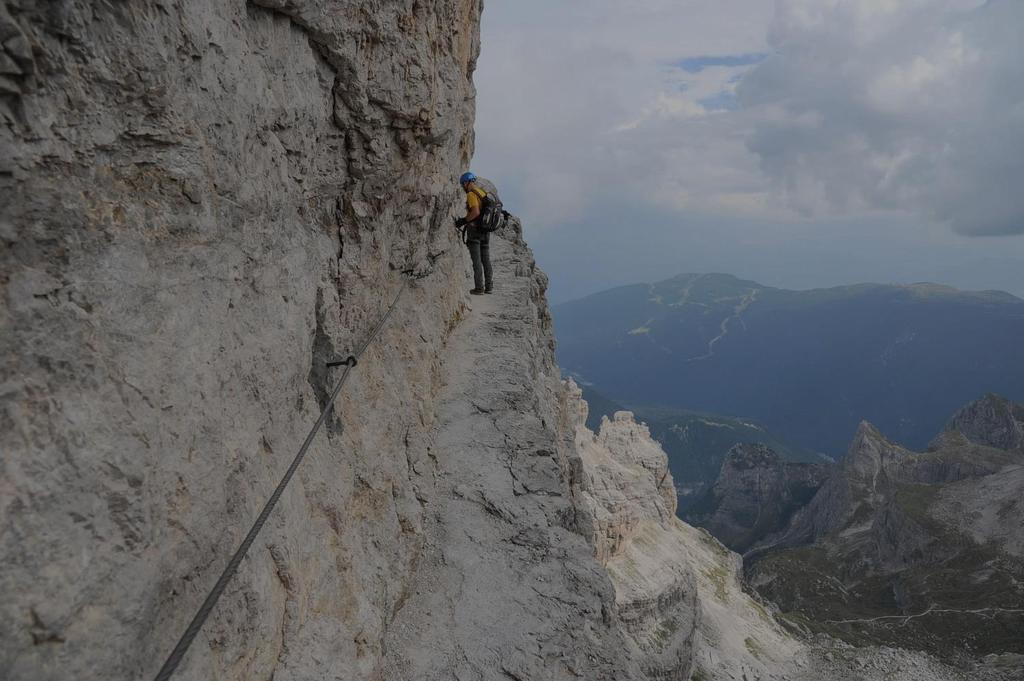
(203,203)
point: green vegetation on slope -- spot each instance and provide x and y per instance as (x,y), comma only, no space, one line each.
(806,365)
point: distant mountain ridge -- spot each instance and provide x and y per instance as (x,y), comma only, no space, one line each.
(808,365)
(916,549)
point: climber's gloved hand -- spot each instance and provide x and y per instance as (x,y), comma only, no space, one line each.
(460,223)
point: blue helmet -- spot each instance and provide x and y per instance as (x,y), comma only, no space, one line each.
(467,177)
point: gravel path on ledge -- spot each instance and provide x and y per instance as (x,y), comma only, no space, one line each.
(502,590)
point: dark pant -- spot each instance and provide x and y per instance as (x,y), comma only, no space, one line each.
(480,252)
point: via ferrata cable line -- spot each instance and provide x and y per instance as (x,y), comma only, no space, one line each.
(174,659)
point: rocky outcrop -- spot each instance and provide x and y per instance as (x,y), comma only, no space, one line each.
(911,549)
(616,483)
(677,591)
(622,492)
(755,495)
(993,421)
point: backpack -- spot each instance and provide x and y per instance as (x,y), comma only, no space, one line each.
(492,213)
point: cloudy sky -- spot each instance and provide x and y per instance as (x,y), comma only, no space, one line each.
(799,143)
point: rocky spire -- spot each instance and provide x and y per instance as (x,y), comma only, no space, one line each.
(993,420)
(871,457)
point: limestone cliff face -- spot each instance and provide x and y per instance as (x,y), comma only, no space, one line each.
(755,495)
(203,202)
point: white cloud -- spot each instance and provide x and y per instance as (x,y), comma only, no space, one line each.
(593,91)
(630,134)
(911,105)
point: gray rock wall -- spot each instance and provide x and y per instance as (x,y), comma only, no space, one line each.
(201,203)
(755,495)
(991,420)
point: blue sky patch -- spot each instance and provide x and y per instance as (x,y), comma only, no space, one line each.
(698,64)
(723,101)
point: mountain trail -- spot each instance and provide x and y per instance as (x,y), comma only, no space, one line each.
(744,303)
(983,612)
(485,603)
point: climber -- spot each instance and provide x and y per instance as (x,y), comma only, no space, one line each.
(477,239)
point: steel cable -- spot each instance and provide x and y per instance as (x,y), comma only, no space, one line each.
(174,659)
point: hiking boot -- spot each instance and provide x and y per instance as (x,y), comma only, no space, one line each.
(476,291)
(489,289)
